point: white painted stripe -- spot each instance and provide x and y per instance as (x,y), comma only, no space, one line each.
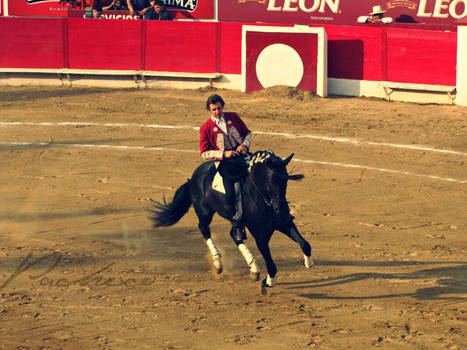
(162,149)
(134,125)
(79,145)
(358,142)
(281,134)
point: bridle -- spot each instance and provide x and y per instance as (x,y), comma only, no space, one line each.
(261,157)
(268,201)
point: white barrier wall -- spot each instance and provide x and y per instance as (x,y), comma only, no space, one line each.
(461,97)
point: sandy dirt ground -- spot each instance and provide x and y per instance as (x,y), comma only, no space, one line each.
(383,204)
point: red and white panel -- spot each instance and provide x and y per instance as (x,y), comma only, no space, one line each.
(294,57)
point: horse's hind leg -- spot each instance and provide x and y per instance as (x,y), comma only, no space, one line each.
(249,258)
(205,217)
(293,234)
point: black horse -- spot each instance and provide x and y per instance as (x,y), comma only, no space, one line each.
(265,208)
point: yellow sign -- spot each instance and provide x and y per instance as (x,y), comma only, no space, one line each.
(401,3)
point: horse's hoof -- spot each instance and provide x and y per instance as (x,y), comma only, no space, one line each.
(264,291)
(218,266)
(267,282)
(264,286)
(308,261)
(254,275)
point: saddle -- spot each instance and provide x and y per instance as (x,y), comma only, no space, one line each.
(231,169)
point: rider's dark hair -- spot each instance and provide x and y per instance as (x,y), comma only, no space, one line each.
(213,99)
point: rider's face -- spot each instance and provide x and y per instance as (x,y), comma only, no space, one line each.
(216,110)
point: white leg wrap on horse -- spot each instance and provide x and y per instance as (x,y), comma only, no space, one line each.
(216,256)
(308,260)
(270,281)
(212,247)
(249,258)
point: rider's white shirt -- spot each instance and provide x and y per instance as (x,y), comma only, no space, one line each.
(221,124)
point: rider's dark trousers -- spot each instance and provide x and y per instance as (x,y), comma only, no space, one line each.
(229,191)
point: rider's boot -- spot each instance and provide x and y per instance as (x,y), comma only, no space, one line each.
(229,206)
(237,221)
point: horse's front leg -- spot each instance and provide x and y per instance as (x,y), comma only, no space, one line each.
(262,242)
(291,231)
(216,256)
(205,217)
(247,255)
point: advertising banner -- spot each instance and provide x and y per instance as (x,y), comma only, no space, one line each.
(345,12)
(196,9)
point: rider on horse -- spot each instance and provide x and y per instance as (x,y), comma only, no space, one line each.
(225,138)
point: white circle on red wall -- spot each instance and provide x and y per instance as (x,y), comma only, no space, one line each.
(279,64)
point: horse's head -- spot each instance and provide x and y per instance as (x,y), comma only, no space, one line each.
(269,176)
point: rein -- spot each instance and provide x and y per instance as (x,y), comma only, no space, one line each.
(266,201)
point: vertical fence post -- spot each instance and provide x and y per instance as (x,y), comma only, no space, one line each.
(461,78)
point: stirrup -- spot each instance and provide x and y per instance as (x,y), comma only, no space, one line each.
(237,218)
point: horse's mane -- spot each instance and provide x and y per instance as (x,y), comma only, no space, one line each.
(271,160)
(260,157)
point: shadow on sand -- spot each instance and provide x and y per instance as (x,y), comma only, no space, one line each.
(452,281)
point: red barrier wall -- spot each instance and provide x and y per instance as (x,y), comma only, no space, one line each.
(355,53)
(32,43)
(104,44)
(230,47)
(370,53)
(360,53)
(418,56)
(181,46)
(392,54)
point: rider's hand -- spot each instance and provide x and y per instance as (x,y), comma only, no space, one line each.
(242,149)
(230,154)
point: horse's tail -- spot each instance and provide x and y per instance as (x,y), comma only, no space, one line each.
(168,214)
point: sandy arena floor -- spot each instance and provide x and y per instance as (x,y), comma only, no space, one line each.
(383,204)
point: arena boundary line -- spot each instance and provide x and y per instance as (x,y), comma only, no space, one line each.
(287,135)
(162,149)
